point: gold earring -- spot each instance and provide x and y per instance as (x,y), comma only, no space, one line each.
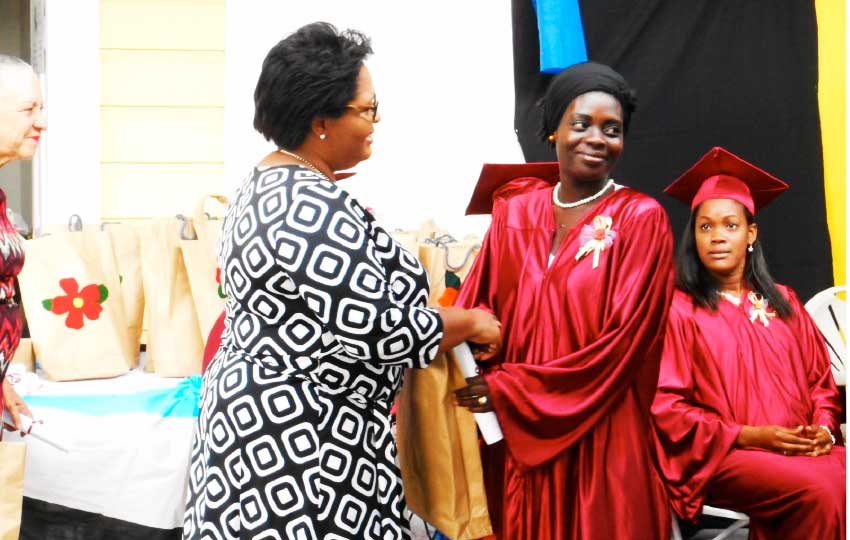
(552,138)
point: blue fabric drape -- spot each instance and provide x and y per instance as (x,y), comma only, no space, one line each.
(179,402)
(561,34)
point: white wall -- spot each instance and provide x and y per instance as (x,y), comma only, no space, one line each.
(443,73)
(67,179)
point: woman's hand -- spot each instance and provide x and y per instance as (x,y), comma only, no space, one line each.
(14,404)
(475,396)
(487,335)
(477,326)
(783,440)
(821,439)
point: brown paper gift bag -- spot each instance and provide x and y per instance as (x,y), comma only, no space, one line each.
(72,298)
(24,355)
(438,441)
(201,258)
(12,464)
(174,344)
(126,245)
(447,262)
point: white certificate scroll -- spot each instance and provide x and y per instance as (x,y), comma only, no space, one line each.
(487,422)
(36,430)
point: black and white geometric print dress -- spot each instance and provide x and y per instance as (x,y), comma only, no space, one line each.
(324,312)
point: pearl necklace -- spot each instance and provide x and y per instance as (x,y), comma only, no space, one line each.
(580,202)
(305,162)
(736,300)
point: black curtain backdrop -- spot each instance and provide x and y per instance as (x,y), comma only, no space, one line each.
(742,75)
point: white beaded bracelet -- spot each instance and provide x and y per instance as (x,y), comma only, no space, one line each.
(831,436)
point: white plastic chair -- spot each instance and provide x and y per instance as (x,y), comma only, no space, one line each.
(739,521)
(828,312)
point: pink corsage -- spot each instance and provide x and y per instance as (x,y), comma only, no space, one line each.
(759,310)
(596,238)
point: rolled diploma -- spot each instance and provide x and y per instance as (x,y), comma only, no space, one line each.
(35,430)
(487,422)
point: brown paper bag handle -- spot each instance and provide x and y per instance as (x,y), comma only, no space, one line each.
(469,253)
(200,215)
(75,223)
(443,242)
(187,231)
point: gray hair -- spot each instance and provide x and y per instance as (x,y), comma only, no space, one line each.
(10,66)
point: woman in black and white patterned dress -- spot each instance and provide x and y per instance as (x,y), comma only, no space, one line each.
(324,311)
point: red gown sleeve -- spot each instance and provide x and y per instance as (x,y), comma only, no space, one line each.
(690,440)
(481,283)
(822,387)
(544,408)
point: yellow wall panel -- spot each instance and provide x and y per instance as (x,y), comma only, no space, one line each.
(175,78)
(140,191)
(832,63)
(162,99)
(162,24)
(154,134)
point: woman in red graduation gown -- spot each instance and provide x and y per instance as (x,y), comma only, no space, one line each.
(746,410)
(581,278)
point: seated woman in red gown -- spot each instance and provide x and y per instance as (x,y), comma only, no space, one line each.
(746,412)
(581,278)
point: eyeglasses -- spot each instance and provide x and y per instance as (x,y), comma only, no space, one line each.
(370,110)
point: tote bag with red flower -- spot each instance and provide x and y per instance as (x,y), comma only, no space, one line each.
(128,257)
(70,287)
(437,440)
(174,345)
(200,255)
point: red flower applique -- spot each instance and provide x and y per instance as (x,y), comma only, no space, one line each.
(452,289)
(218,280)
(77,303)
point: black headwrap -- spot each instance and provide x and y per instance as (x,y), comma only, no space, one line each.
(581,79)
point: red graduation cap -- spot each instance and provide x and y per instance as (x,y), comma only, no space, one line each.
(494,176)
(720,174)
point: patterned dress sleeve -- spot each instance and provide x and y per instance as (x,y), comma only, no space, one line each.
(338,264)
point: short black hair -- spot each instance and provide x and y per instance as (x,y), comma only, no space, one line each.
(310,73)
(694,278)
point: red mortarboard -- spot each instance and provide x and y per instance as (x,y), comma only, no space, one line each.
(720,174)
(495,175)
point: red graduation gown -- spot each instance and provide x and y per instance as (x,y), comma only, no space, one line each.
(573,385)
(719,372)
